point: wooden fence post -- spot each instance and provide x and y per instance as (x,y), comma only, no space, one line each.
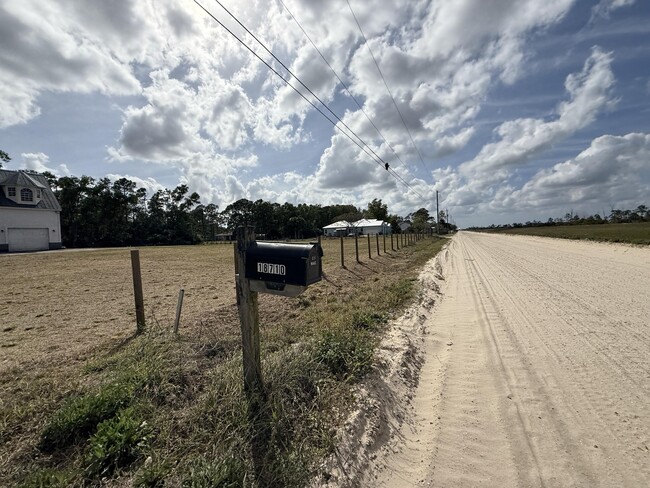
(248,317)
(342,258)
(179,307)
(356,245)
(369,256)
(377,239)
(137,291)
(385,243)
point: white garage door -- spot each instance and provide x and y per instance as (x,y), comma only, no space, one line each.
(28,239)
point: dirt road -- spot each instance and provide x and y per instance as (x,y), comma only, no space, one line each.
(537,369)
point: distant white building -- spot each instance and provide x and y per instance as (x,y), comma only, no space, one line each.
(372,226)
(340,228)
(361,227)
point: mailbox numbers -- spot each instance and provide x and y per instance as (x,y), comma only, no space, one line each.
(269,268)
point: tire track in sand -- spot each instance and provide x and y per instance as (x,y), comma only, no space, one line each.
(544,380)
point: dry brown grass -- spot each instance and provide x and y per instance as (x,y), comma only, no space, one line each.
(63,305)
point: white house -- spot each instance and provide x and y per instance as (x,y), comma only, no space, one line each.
(340,228)
(372,226)
(363,226)
(29,213)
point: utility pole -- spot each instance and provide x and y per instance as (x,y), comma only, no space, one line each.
(437,215)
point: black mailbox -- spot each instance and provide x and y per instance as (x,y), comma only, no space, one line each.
(283,269)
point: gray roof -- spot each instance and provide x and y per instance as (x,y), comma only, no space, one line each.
(342,224)
(20,178)
(35,180)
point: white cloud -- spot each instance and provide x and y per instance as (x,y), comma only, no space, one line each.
(451,143)
(44,48)
(484,183)
(40,162)
(167,127)
(606,7)
(150,184)
(614,169)
(521,139)
(16,106)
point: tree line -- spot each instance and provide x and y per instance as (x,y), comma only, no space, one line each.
(102,213)
(616,216)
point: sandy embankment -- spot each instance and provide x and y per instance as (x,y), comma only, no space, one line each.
(532,369)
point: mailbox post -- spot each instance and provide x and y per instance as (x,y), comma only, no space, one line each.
(267,267)
(248,314)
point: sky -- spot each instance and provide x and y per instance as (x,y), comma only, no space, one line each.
(512,110)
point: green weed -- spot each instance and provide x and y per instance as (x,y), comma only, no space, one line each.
(79,417)
(48,478)
(152,474)
(117,443)
(346,352)
(229,472)
(364,319)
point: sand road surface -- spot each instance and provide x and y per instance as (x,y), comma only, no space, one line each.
(536,369)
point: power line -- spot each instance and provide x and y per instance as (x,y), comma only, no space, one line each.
(376,158)
(386,85)
(383,163)
(284,79)
(342,82)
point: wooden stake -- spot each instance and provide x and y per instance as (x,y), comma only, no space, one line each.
(342,254)
(385,243)
(377,238)
(137,291)
(369,256)
(179,307)
(356,245)
(248,316)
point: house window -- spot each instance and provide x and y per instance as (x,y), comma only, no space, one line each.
(26,195)
(38,193)
(11,190)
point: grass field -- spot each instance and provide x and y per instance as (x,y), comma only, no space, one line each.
(630,233)
(84,401)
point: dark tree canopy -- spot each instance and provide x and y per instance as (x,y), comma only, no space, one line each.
(102,212)
(4,158)
(377,210)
